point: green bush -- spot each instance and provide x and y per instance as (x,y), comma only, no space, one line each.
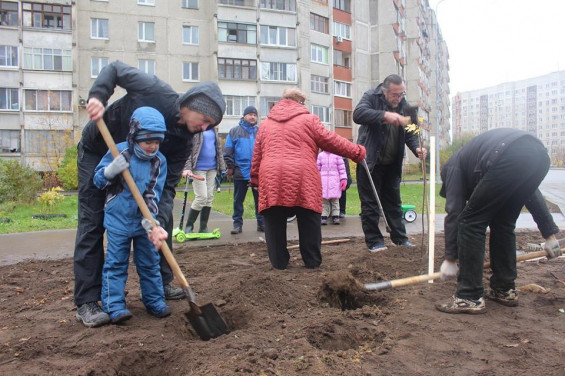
(68,172)
(18,183)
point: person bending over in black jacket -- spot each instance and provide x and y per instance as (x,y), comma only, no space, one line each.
(200,108)
(486,183)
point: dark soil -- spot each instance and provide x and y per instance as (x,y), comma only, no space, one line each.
(293,322)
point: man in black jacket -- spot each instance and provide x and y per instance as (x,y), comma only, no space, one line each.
(382,116)
(486,183)
(200,108)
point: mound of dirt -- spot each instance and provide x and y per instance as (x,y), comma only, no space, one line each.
(293,322)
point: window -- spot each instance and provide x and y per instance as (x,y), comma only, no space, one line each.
(232,32)
(146,31)
(191,4)
(278,72)
(342,59)
(9,56)
(235,2)
(189,71)
(342,30)
(47,59)
(9,98)
(47,100)
(319,84)
(9,13)
(190,35)
(343,118)
(9,141)
(322,112)
(267,103)
(342,89)
(236,104)
(46,16)
(237,69)
(146,2)
(99,28)
(147,66)
(319,23)
(278,36)
(319,54)
(96,65)
(46,142)
(289,5)
(344,5)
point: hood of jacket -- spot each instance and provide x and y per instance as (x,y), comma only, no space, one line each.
(286,109)
(145,118)
(211,90)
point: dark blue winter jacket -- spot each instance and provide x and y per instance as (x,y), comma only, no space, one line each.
(238,149)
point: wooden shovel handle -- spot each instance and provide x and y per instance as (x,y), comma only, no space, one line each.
(141,203)
(383,285)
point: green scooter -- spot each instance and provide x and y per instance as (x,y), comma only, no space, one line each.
(179,234)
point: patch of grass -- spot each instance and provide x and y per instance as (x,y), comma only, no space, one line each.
(411,194)
(21,220)
(21,214)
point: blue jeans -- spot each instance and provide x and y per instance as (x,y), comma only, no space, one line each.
(239,192)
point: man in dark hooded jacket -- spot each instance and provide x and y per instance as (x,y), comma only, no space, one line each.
(382,116)
(200,108)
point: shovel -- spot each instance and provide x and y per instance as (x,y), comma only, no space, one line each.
(364,163)
(385,285)
(205,320)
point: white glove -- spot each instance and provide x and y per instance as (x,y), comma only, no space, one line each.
(448,270)
(118,165)
(552,247)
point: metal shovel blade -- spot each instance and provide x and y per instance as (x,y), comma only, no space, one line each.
(206,321)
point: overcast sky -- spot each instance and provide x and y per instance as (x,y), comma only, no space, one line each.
(496,41)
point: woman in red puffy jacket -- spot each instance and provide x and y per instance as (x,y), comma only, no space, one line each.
(284,169)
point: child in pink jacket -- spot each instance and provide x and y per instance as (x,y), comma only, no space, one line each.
(334,181)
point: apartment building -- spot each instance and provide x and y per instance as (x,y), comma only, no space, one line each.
(535,105)
(334,50)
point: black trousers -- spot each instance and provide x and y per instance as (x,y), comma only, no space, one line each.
(387,182)
(88,257)
(309,235)
(496,202)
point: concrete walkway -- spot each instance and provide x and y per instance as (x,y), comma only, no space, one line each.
(59,244)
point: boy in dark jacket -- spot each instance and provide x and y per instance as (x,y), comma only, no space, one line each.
(200,108)
(122,218)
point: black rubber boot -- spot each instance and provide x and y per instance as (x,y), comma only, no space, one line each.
(204,218)
(192,215)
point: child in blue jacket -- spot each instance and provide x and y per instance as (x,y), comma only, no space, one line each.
(122,217)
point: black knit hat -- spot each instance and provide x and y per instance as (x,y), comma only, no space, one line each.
(249,110)
(203,104)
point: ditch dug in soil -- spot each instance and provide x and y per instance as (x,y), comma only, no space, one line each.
(282,322)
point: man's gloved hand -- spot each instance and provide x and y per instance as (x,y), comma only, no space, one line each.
(448,269)
(552,247)
(343,185)
(118,165)
(223,174)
